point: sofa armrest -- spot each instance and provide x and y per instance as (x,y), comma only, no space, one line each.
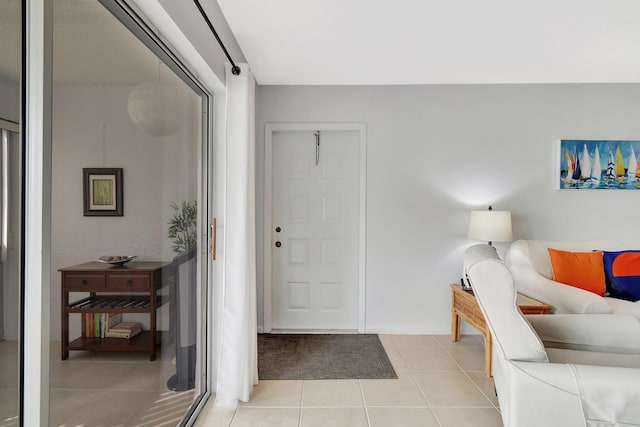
(533,394)
(563,298)
(624,307)
(609,333)
(609,395)
(552,394)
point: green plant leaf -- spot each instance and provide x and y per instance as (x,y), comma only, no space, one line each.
(183,226)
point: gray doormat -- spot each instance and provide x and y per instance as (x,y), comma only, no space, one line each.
(322,357)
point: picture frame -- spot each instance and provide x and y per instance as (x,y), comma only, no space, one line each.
(584,164)
(102,191)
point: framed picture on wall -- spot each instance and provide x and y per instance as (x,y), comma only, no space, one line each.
(598,165)
(102,191)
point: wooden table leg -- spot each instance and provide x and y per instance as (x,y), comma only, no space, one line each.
(455,326)
(487,354)
(64,339)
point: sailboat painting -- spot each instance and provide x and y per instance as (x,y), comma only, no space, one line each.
(598,165)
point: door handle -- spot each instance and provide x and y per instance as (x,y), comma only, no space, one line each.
(4,201)
(278,243)
(214,235)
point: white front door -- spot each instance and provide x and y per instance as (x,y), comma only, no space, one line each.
(315,230)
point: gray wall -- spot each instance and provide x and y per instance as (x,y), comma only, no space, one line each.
(9,99)
(434,153)
(91,128)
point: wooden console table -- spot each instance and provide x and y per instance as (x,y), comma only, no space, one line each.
(131,288)
(465,305)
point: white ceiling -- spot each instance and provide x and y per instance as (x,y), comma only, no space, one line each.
(355,42)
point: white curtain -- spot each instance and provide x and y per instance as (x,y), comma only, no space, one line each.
(238,367)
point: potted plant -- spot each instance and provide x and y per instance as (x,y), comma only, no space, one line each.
(183,225)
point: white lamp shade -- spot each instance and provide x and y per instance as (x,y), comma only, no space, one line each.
(156,108)
(491,226)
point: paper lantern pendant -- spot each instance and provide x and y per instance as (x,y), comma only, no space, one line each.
(156,108)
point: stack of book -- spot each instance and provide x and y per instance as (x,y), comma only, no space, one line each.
(124,330)
(109,325)
(97,324)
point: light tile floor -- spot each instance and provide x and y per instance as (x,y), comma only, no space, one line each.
(114,390)
(99,389)
(440,384)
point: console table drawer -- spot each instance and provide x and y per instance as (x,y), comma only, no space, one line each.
(84,282)
(128,283)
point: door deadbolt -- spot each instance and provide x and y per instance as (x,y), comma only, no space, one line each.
(278,229)
(278,244)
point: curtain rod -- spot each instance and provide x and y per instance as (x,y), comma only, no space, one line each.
(235,70)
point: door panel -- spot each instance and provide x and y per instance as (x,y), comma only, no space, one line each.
(315,269)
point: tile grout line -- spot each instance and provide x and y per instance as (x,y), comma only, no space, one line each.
(279,406)
(340,407)
(467,375)
(395,345)
(435,416)
(364,402)
(301,403)
(233,417)
(424,396)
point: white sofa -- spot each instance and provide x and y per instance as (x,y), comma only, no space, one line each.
(550,387)
(529,261)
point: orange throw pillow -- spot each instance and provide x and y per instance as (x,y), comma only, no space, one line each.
(584,270)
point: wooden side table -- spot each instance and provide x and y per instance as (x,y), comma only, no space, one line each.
(131,288)
(465,305)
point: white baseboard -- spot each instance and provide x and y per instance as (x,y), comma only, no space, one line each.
(466,330)
(314,331)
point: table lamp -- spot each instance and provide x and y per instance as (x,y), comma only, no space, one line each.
(490,225)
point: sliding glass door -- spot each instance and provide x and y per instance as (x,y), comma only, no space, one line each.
(10,211)
(130,200)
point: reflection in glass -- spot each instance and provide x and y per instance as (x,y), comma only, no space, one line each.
(117,105)
(10,216)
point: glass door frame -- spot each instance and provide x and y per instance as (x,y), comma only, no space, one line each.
(37,31)
(36,126)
